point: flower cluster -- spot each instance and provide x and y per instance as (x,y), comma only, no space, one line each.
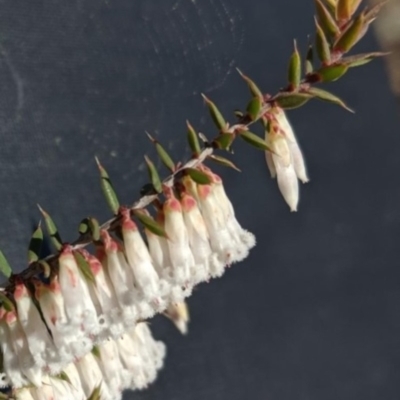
(51,323)
(129,362)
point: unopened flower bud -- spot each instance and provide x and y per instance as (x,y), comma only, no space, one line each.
(178,313)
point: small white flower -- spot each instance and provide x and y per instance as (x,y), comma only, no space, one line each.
(181,256)
(24,394)
(90,374)
(139,258)
(297,156)
(286,161)
(40,343)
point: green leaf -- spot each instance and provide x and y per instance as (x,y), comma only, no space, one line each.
(84,267)
(64,377)
(108,190)
(5,268)
(254,140)
(153,175)
(35,245)
(224,141)
(51,229)
(90,227)
(198,176)
(193,140)
(294,71)
(371,13)
(216,116)
(223,161)
(96,394)
(322,45)
(96,352)
(326,20)
(292,100)
(6,302)
(332,72)
(327,96)
(351,35)
(254,89)
(254,108)
(149,223)
(309,62)
(162,153)
(361,59)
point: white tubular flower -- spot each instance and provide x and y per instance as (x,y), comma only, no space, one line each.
(178,313)
(63,390)
(220,238)
(114,374)
(244,239)
(297,156)
(20,345)
(182,260)
(138,257)
(51,303)
(158,248)
(39,341)
(24,394)
(120,275)
(73,376)
(286,175)
(12,374)
(90,374)
(78,303)
(198,239)
(131,361)
(102,293)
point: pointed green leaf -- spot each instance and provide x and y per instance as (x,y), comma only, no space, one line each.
(322,45)
(153,175)
(223,161)
(5,268)
(51,229)
(292,100)
(162,153)
(84,267)
(332,72)
(294,71)
(6,302)
(216,115)
(35,245)
(64,377)
(198,176)
(361,59)
(193,140)
(224,141)
(327,96)
(149,223)
(96,394)
(354,4)
(331,5)
(326,20)
(254,108)
(254,89)
(351,35)
(309,62)
(108,190)
(254,140)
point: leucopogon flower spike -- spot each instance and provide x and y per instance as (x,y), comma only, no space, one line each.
(72,324)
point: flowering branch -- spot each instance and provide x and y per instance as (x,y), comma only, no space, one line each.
(71,324)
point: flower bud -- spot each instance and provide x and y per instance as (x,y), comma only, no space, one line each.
(178,313)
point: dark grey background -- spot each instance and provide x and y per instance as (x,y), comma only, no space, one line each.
(314,312)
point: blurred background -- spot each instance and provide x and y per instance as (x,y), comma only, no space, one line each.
(314,312)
